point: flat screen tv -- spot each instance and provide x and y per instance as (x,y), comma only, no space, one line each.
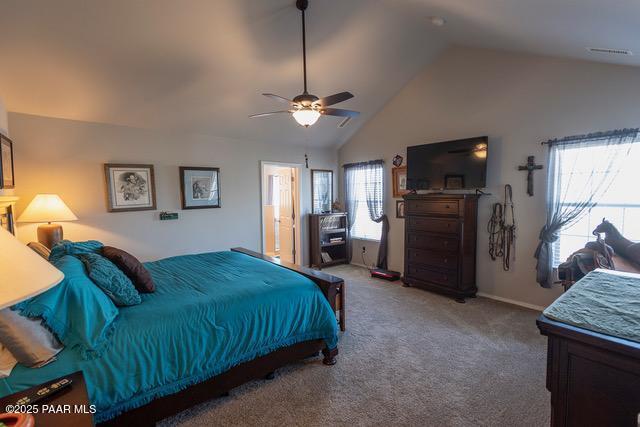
(450,165)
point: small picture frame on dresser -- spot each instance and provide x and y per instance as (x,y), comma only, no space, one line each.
(7,177)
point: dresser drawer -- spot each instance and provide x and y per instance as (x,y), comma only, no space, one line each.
(432,207)
(433,242)
(441,278)
(434,259)
(434,225)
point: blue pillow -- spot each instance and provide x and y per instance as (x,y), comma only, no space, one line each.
(76,310)
(67,247)
(110,279)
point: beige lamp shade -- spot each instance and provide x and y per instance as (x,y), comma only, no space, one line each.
(47,208)
(23,273)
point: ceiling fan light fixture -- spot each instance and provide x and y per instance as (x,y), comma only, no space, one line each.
(306,116)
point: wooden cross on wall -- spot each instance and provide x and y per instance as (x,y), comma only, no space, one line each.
(530,167)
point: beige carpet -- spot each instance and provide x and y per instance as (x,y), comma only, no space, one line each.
(408,357)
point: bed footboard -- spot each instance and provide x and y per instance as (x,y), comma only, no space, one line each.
(332,287)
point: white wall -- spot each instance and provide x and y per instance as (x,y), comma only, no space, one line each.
(518,100)
(66,157)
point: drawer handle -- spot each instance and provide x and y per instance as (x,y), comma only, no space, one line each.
(446,206)
(446,260)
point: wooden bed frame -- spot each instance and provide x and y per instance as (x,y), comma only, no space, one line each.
(594,379)
(262,367)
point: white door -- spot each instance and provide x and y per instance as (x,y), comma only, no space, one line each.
(287,216)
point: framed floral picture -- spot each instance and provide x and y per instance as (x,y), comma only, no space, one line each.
(200,187)
(130,187)
(7,178)
(399,181)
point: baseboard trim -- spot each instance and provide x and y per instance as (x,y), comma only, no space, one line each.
(511,301)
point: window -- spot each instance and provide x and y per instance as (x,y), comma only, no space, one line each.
(620,203)
(364,180)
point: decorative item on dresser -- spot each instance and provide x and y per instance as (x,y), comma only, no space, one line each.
(440,243)
(330,242)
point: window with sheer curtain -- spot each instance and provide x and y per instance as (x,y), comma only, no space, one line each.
(363,179)
(619,204)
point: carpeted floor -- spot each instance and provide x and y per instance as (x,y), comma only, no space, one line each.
(408,357)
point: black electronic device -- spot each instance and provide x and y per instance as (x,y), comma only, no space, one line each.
(451,165)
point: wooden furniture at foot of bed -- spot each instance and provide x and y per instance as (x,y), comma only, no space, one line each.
(262,367)
(594,379)
(332,287)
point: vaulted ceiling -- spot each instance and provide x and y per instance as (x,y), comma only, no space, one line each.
(201,65)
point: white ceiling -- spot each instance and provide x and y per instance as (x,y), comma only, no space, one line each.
(200,66)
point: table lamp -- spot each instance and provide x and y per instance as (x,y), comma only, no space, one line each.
(47,208)
(24,273)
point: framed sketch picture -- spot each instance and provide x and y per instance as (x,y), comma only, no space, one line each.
(399,181)
(130,187)
(200,187)
(7,178)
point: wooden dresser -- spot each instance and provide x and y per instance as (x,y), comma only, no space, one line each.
(440,243)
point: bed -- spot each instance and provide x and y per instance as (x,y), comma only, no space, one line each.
(593,356)
(216,320)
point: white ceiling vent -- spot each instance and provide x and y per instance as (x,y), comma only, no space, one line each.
(610,51)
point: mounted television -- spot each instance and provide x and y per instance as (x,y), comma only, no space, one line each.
(450,165)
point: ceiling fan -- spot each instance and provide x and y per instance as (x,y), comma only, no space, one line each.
(307,108)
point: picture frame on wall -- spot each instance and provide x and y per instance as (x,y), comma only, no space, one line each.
(200,187)
(399,178)
(7,175)
(400,209)
(130,187)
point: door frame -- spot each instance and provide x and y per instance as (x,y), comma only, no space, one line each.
(297,205)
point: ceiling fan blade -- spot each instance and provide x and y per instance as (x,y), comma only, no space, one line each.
(268,114)
(334,99)
(339,112)
(279,98)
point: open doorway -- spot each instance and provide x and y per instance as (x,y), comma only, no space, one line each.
(281,211)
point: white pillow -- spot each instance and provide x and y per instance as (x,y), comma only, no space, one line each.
(7,362)
(27,339)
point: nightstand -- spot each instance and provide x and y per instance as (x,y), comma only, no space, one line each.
(73,400)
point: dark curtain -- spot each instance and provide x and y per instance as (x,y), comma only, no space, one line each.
(567,202)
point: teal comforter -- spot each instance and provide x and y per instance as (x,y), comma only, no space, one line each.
(210,312)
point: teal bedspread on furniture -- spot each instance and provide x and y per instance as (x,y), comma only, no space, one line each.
(210,312)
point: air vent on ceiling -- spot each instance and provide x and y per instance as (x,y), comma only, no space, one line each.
(610,51)
(344,122)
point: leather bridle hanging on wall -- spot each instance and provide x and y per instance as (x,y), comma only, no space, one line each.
(502,230)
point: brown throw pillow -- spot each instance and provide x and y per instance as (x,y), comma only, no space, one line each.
(130,266)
